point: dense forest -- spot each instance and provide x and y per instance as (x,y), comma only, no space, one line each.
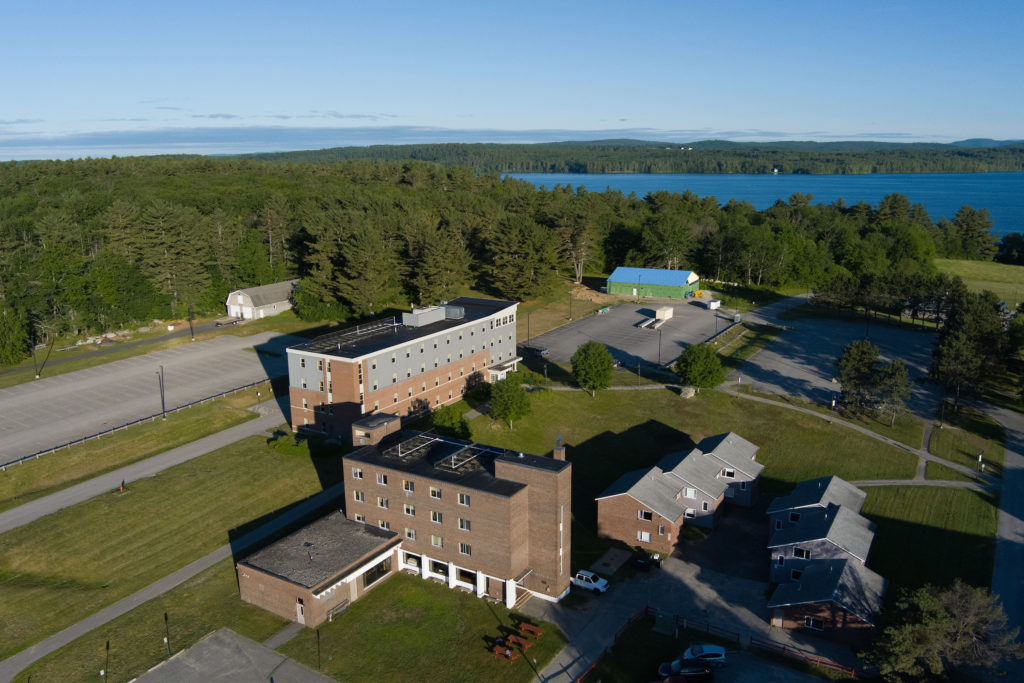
(713,156)
(97,245)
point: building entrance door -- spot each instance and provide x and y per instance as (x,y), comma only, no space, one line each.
(300,612)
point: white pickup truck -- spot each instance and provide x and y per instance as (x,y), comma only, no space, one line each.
(589,581)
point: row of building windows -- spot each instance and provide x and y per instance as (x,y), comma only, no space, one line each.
(409,486)
(410,534)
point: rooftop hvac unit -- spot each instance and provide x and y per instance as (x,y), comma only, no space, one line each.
(454,312)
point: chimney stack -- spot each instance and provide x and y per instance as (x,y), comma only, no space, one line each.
(559,451)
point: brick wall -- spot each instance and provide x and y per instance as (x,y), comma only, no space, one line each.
(618,518)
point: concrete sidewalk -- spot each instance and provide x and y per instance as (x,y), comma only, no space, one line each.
(271,415)
(12,665)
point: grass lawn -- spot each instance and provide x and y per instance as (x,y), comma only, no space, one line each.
(63,567)
(1006,281)
(744,298)
(408,629)
(623,430)
(908,429)
(932,535)
(934,470)
(202,604)
(966,435)
(538,316)
(48,473)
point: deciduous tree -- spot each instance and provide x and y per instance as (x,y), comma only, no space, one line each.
(700,367)
(592,366)
(509,401)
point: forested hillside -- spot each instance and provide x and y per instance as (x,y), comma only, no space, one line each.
(714,156)
(95,245)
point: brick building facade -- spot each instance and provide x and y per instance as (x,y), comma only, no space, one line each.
(402,367)
(490,521)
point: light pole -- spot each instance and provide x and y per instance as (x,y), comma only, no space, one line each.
(570,304)
(163,403)
(167,635)
(527,329)
(659,347)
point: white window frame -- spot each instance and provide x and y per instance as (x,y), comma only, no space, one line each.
(437,541)
(435,493)
(358,497)
(408,486)
(410,534)
(809,622)
(465,549)
(645,515)
(382,479)
(410,510)
(464,524)
(436,517)
(382,502)
(643,536)
(464,499)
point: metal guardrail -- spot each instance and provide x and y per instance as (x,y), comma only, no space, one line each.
(149,418)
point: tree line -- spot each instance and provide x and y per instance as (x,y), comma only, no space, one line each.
(635,156)
(99,244)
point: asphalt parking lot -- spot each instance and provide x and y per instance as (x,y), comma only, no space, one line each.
(617,329)
(52,411)
(802,360)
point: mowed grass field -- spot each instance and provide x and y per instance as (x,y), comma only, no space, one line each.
(932,535)
(968,434)
(66,566)
(1006,281)
(618,431)
(35,478)
(202,604)
(408,629)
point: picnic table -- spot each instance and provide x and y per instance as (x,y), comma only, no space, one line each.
(522,643)
(504,652)
(530,630)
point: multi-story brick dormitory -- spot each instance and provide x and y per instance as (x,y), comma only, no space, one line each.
(401,366)
(480,518)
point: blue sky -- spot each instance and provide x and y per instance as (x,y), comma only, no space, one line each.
(132,77)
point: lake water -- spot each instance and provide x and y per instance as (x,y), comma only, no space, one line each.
(942,194)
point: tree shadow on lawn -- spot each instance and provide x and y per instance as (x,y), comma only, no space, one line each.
(603,458)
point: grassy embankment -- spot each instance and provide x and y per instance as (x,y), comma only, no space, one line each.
(405,630)
(1004,280)
(932,535)
(65,566)
(49,473)
(967,434)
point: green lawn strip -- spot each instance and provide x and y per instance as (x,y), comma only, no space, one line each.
(408,629)
(968,434)
(202,604)
(744,298)
(907,429)
(1005,280)
(54,471)
(751,339)
(932,534)
(63,567)
(938,472)
(618,431)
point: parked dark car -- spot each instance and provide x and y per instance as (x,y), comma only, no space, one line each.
(680,671)
(645,562)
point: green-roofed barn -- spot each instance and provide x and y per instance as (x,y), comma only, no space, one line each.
(655,282)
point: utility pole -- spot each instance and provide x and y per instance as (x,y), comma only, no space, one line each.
(167,635)
(163,403)
(659,347)
(190,330)
(570,304)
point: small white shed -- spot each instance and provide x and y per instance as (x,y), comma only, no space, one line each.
(663,312)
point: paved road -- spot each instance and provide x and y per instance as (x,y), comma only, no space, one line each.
(56,410)
(12,665)
(1008,574)
(272,414)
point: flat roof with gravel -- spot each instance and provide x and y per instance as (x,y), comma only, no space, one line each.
(323,550)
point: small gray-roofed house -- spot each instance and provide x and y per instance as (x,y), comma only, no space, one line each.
(651,488)
(840,598)
(700,489)
(822,533)
(740,469)
(321,551)
(261,302)
(814,493)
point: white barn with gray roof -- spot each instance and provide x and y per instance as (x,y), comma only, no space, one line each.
(785,511)
(261,302)
(740,469)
